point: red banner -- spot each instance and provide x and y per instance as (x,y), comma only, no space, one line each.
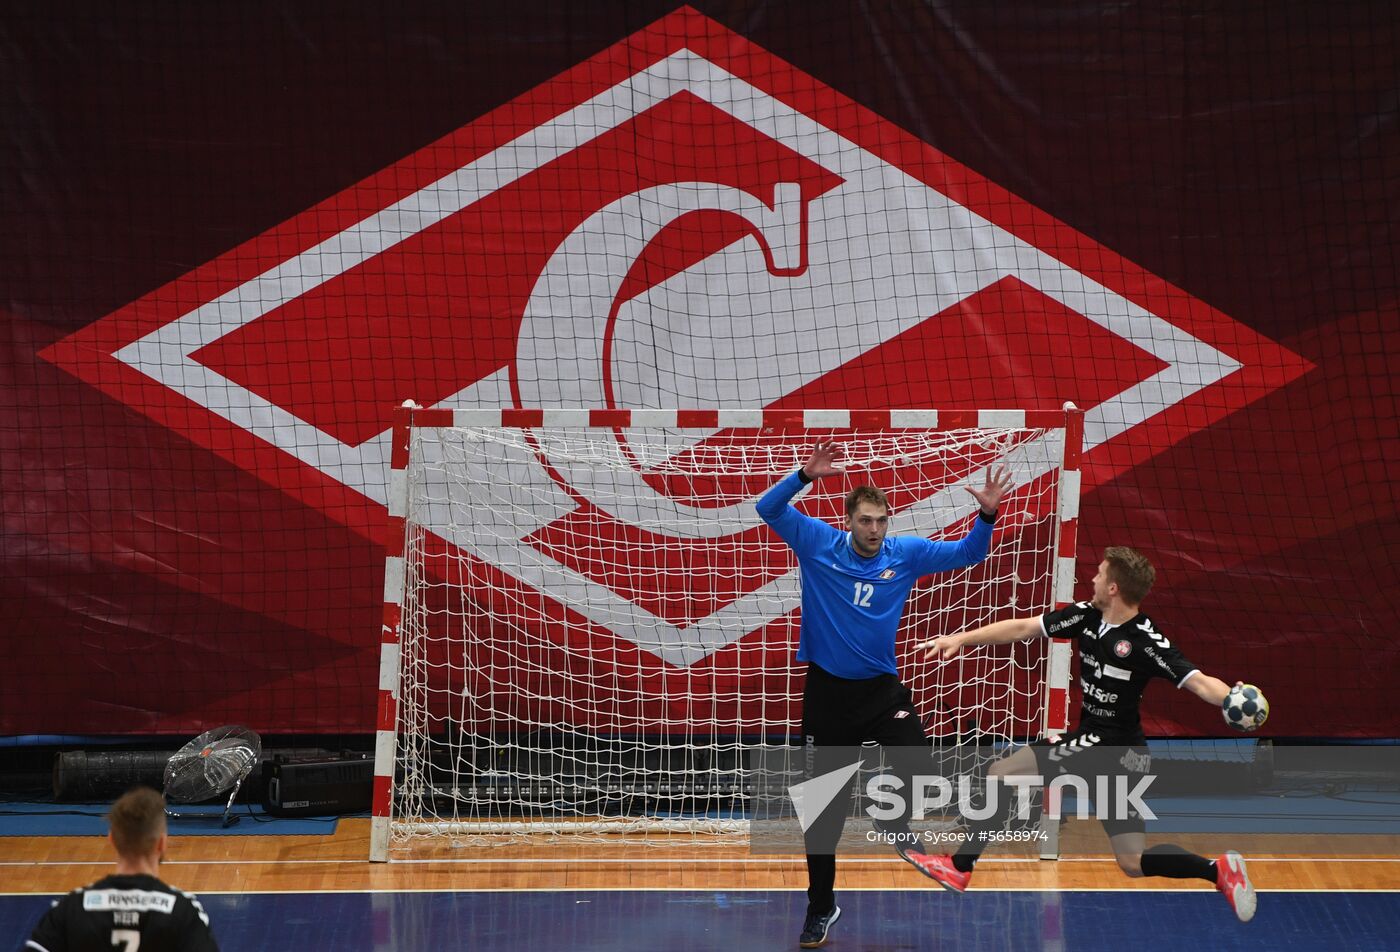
(221,281)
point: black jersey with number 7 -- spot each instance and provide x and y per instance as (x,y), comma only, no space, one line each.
(125,914)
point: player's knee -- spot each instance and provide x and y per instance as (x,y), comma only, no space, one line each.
(1130,864)
(1001,768)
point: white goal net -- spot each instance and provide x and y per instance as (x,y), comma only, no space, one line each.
(594,625)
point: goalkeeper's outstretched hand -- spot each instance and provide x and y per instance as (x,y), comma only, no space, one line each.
(989,496)
(823,460)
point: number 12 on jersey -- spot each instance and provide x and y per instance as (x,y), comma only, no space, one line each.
(862,596)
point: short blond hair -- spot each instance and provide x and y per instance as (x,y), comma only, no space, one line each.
(865,494)
(1130,570)
(137,821)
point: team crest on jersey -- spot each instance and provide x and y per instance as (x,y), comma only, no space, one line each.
(887,574)
(1123,648)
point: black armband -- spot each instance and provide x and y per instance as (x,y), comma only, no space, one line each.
(802,475)
(990,520)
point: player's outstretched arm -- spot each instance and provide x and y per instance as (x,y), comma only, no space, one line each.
(997,633)
(941,556)
(1208,688)
(989,496)
(798,529)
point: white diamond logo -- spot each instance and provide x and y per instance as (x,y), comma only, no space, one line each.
(810,798)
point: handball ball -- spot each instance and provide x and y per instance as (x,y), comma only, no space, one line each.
(1245,707)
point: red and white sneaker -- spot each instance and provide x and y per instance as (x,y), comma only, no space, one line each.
(1232,881)
(939,868)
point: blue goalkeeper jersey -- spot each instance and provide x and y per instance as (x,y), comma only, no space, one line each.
(851,605)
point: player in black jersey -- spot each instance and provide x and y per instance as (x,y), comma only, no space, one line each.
(132,909)
(1120,651)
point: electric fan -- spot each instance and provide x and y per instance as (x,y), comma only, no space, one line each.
(215,761)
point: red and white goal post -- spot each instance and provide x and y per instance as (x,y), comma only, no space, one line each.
(586,624)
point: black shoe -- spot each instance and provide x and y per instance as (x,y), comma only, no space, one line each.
(816,927)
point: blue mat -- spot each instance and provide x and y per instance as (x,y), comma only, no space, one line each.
(86,819)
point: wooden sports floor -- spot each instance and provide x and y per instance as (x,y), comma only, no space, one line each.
(310,892)
(253,863)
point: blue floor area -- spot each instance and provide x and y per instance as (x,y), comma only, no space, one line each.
(876,921)
(203,819)
(1368,814)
